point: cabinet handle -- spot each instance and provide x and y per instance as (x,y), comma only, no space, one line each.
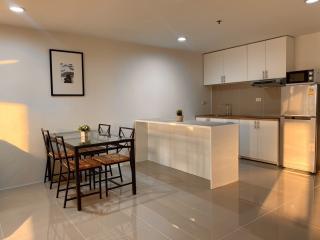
(263,74)
(221,78)
(258,124)
(255,124)
(266,74)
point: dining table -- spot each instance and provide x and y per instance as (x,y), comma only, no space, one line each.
(74,142)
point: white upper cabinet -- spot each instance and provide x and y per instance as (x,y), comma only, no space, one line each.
(226,66)
(213,68)
(279,57)
(270,59)
(256,61)
(263,60)
(235,64)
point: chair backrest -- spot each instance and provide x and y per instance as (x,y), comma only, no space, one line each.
(47,140)
(62,150)
(104,129)
(126,132)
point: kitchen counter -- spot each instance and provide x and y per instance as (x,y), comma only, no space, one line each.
(250,117)
(206,149)
(186,122)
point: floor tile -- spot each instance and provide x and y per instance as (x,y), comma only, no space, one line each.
(267,203)
(275,226)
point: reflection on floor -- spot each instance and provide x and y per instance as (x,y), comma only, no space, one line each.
(267,203)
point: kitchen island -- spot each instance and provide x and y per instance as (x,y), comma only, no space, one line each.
(205,149)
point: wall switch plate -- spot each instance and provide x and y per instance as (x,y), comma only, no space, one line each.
(258,99)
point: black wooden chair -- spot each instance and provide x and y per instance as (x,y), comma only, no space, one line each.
(104,129)
(47,144)
(87,164)
(124,132)
(52,157)
(117,158)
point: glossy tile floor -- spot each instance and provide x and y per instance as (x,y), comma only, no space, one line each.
(266,203)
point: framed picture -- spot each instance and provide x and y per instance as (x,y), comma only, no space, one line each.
(67,74)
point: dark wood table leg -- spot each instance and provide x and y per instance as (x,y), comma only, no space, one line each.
(77,172)
(133,167)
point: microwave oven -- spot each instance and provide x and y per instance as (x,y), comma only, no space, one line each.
(304,76)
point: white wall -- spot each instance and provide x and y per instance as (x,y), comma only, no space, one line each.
(307,51)
(123,82)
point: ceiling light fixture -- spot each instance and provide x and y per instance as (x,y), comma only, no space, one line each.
(16,9)
(311,1)
(181,39)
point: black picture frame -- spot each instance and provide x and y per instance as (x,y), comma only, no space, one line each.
(53,93)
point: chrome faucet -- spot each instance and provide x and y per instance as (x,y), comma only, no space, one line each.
(228,109)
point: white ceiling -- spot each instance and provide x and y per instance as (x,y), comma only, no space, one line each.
(159,22)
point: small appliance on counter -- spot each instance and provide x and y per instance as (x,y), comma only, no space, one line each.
(299,122)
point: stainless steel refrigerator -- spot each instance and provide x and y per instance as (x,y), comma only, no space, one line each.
(299,127)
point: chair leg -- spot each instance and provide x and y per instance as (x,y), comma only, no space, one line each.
(90,182)
(120,173)
(59,181)
(47,173)
(110,169)
(106,180)
(67,189)
(94,179)
(100,192)
(52,173)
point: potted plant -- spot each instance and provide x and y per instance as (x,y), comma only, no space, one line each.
(179,117)
(84,130)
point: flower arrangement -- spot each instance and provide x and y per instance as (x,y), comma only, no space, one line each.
(84,128)
(179,112)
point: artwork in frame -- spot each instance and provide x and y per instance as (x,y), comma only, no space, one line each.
(67,73)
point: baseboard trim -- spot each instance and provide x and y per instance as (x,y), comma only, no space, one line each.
(19,186)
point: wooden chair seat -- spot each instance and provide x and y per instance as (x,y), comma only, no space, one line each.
(84,164)
(55,155)
(110,159)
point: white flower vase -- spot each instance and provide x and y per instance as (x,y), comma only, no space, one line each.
(83,136)
(179,119)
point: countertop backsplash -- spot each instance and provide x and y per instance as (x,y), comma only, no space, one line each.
(243,99)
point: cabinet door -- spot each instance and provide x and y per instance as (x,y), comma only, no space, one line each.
(213,68)
(248,139)
(276,58)
(256,61)
(235,64)
(268,143)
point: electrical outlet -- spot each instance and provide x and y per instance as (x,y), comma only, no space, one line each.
(258,99)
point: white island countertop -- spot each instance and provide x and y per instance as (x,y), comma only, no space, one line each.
(186,122)
(206,149)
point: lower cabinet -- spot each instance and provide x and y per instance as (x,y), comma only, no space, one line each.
(259,140)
